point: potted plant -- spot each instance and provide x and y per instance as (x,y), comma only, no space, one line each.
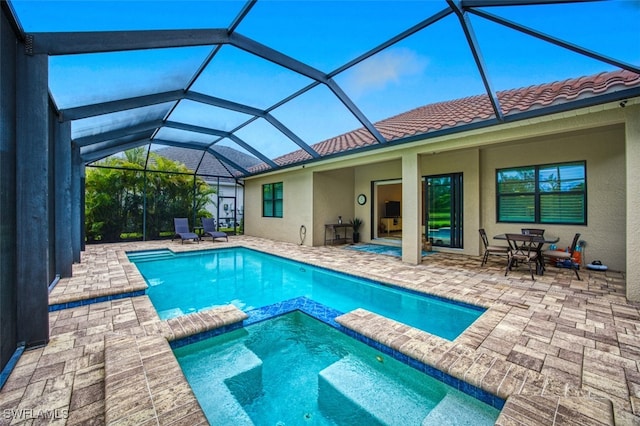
(356,224)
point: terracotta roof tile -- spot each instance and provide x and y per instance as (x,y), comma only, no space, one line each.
(471,109)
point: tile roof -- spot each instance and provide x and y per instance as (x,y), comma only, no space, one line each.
(450,114)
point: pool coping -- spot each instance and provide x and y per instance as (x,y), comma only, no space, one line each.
(529,405)
(131,360)
(332,318)
(143,380)
(146,360)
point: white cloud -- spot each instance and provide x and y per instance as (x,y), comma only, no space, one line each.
(383,69)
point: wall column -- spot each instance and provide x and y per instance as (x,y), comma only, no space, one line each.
(63,222)
(632,147)
(411,209)
(8,228)
(32,199)
(77,177)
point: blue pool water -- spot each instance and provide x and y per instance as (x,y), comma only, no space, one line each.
(189,282)
(381,249)
(441,236)
(295,370)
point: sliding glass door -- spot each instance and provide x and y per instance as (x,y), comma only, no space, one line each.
(443,209)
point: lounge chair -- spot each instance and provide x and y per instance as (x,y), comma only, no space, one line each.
(209,229)
(181,226)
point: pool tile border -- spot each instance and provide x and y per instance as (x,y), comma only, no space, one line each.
(83,302)
(378,281)
(329,316)
(479,375)
(8,368)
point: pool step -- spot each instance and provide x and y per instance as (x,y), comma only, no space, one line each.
(350,385)
(460,409)
(241,382)
(150,255)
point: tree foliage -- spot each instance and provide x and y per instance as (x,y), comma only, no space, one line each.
(115,196)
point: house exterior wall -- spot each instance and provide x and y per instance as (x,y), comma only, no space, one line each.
(297,208)
(332,197)
(632,151)
(603,151)
(364,175)
(467,163)
(596,135)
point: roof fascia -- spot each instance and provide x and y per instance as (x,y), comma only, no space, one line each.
(469,34)
(93,110)
(119,133)
(556,41)
(71,43)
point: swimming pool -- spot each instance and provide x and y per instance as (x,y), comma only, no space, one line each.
(189,282)
(294,369)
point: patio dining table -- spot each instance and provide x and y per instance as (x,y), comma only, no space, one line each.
(540,240)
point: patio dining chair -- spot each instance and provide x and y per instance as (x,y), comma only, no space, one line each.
(181,227)
(538,233)
(566,258)
(491,249)
(522,250)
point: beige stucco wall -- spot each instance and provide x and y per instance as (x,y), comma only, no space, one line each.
(332,197)
(632,137)
(467,163)
(364,175)
(297,208)
(603,151)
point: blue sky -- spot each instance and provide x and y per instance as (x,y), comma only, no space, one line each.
(430,66)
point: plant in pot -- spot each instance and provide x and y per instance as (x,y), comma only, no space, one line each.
(356,224)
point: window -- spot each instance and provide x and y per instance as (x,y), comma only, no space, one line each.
(551,193)
(272,200)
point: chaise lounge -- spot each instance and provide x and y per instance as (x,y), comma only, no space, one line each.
(181,226)
(209,229)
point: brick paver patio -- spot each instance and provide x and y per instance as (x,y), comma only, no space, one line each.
(563,351)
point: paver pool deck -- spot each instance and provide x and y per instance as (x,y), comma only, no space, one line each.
(559,350)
